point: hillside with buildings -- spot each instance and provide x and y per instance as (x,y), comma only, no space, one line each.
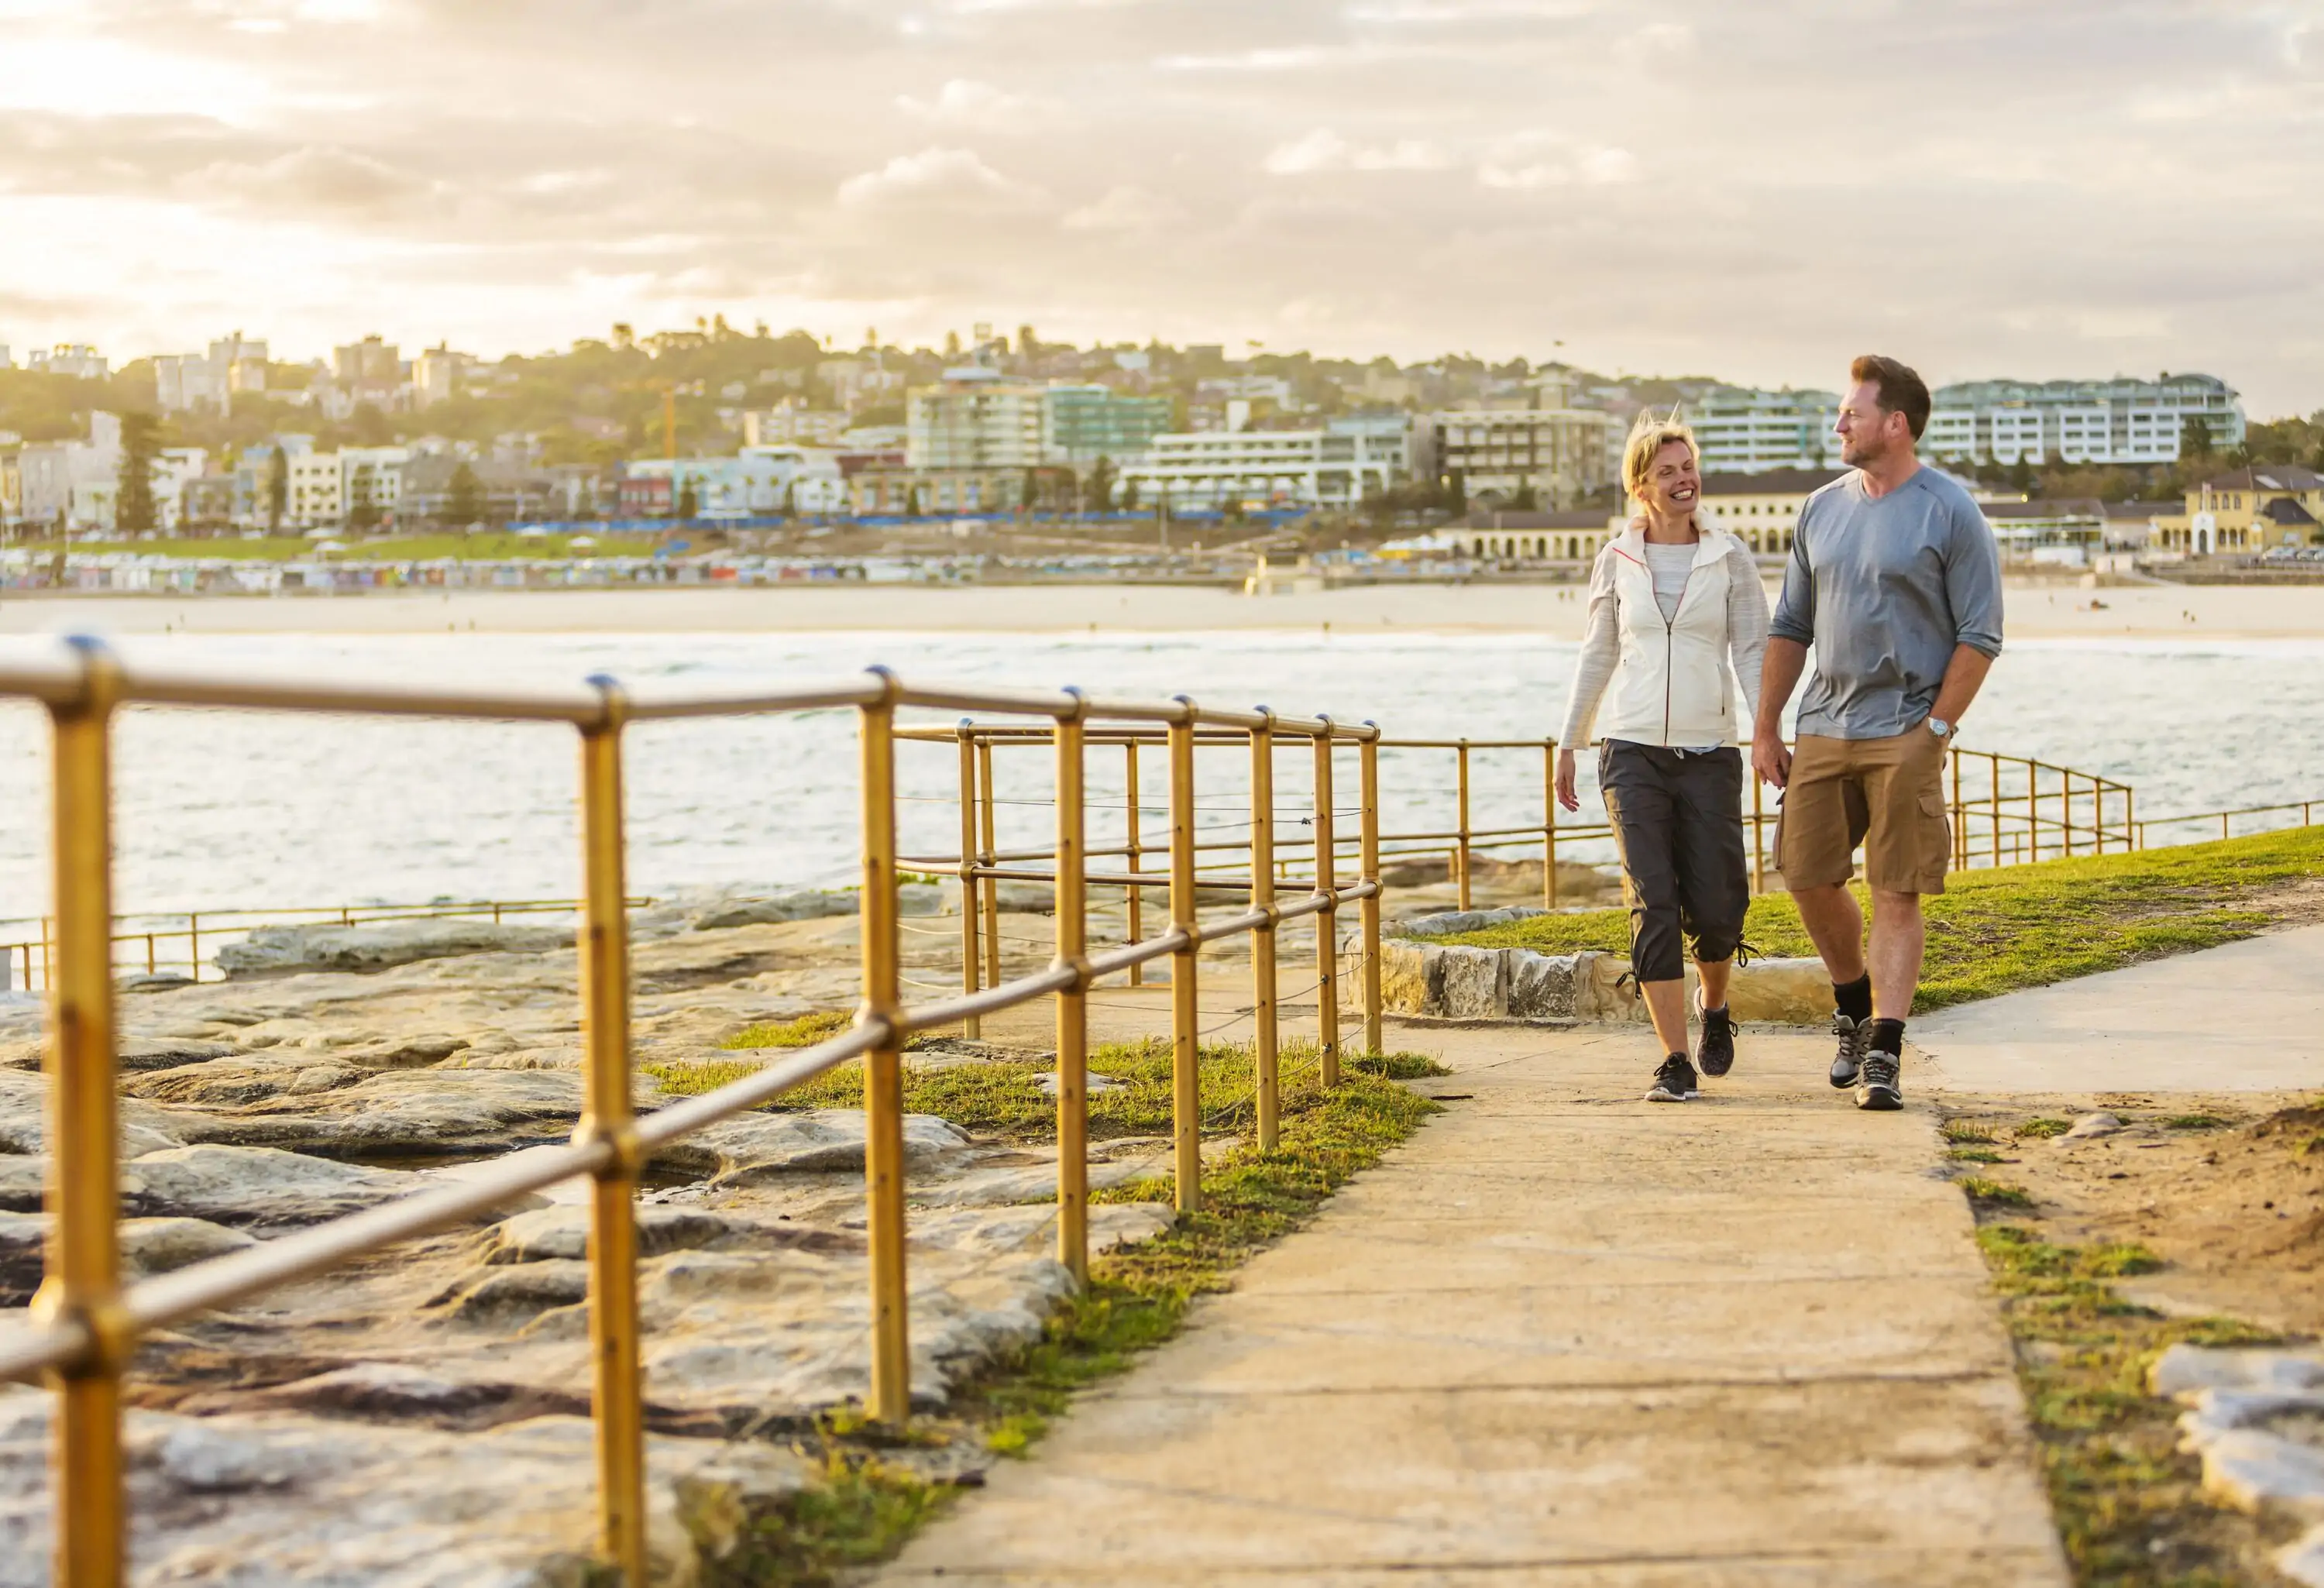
(716,426)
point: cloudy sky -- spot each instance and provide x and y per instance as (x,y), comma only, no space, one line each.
(2039,188)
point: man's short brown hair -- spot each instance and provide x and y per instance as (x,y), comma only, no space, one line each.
(1902,390)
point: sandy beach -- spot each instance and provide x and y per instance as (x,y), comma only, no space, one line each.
(2036,610)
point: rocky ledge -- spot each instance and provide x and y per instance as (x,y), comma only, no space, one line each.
(2257,1418)
(415,1417)
(1457,982)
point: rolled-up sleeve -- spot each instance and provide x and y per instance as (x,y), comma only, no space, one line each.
(1795,609)
(1973,581)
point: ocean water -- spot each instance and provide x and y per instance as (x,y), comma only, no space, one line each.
(233,810)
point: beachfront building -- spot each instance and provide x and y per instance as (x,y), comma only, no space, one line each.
(759,481)
(888,490)
(2059,533)
(1546,457)
(2246,509)
(974,418)
(1504,536)
(2117,422)
(1762,509)
(1336,466)
(1743,430)
(317,495)
(1081,424)
(70,484)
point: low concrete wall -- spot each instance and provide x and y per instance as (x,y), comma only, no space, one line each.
(1460,982)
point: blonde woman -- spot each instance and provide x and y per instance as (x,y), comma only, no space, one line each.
(1677,623)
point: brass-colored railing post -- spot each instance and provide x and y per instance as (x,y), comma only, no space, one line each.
(1327,918)
(1367,857)
(883,1067)
(971,1026)
(1960,813)
(1461,861)
(1548,822)
(83,1279)
(1185,1076)
(2033,811)
(618,1403)
(1263,976)
(1071,907)
(1996,759)
(1135,929)
(992,845)
(194,948)
(2133,832)
(1758,831)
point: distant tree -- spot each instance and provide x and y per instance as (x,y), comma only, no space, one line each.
(790,499)
(1526,499)
(2195,437)
(465,500)
(1130,496)
(278,486)
(1097,491)
(1456,493)
(2021,477)
(363,505)
(688,504)
(624,336)
(133,512)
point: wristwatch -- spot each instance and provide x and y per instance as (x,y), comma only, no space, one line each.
(1941,728)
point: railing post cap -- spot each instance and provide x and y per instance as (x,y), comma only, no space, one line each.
(1188,708)
(1078,710)
(100,671)
(891,685)
(616,698)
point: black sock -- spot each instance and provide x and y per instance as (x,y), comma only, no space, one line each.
(1888,1038)
(1854,999)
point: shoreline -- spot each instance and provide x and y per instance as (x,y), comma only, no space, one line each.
(2035,610)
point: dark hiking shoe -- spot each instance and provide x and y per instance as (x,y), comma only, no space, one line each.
(1674,1082)
(1855,1042)
(1876,1087)
(1716,1050)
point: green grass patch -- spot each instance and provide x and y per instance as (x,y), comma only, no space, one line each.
(1987,1193)
(1966,1131)
(2128,1503)
(1975,1155)
(2042,1130)
(871,1498)
(1997,931)
(2195,1122)
(1003,1097)
(497,546)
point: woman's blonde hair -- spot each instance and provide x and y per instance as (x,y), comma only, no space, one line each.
(1648,437)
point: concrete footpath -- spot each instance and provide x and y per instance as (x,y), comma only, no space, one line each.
(1565,1336)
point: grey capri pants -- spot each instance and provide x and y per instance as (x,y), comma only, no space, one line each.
(1677,818)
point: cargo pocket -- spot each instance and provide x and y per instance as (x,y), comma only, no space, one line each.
(1935,850)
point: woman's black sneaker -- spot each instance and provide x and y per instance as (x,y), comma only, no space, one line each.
(1715,1051)
(1674,1082)
(1878,1087)
(1855,1042)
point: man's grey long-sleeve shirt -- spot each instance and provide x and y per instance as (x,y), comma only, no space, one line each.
(1884,588)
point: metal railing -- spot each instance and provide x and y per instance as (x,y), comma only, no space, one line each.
(84,1325)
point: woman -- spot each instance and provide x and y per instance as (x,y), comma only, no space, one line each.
(1674,600)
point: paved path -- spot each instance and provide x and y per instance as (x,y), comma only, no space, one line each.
(2247,1017)
(1564,1337)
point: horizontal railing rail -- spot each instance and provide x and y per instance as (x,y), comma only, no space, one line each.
(84,1323)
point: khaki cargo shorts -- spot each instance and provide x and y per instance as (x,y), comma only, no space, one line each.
(1886,794)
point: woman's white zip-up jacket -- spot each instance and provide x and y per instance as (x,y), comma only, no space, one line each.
(1652,680)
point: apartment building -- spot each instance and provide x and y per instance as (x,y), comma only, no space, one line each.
(1081,424)
(1337,465)
(975,418)
(318,490)
(2116,421)
(791,424)
(1741,430)
(184,382)
(1559,453)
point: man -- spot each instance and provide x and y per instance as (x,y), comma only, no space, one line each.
(1895,580)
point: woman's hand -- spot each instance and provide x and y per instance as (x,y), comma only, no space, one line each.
(1566,795)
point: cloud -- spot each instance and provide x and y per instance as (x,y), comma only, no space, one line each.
(1126,209)
(963,102)
(947,177)
(1324,150)
(1656,43)
(311,181)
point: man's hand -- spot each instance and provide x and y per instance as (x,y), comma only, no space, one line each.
(1567,796)
(1770,759)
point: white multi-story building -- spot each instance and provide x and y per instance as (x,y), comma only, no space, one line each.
(1743,431)
(318,490)
(793,424)
(371,480)
(1336,466)
(436,375)
(758,481)
(2116,421)
(71,481)
(974,418)
(76,359)
(186,381)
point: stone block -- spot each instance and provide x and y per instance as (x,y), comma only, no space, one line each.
(1603,993)
(1411,978)
(2185,1369)
(1475,983)
(2302,1560)
(1781,992)
(1541,985)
